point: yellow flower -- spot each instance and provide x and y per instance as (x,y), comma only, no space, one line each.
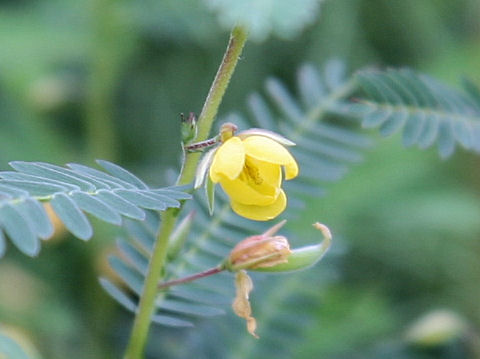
(249,169)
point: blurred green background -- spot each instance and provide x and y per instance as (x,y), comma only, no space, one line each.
(108,79)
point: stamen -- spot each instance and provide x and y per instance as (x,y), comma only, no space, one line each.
(253,174)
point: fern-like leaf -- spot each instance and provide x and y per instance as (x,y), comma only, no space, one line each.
(72,192)
(178,306)
(284,19)
(422,108)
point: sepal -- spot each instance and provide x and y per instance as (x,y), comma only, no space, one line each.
(265,133)
(203,168)
(210,194)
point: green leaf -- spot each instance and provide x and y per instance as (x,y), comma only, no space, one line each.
(3,244)
(473,90)
(130,276)
(189,308)
(140,234)
(122,173)
(50,172)
(283,18)
(133,256)
(71,215)
(122,206)
(37,189)
(96,207)
(143,199)
(19,231)
(75,190)
(37,218)
(112,181)
(425,110)
(118,295)
(170,321)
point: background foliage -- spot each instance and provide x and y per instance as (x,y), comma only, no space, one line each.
(104,79)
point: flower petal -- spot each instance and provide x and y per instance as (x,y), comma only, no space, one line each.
(261,213)
(266,149)
(228,160)
(291,170)
(241,192)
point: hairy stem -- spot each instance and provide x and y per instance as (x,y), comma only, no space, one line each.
(238,38)
(146,307)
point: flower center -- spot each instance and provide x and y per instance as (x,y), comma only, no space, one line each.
(253,174)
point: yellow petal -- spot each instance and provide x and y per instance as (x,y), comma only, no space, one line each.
(261,213)
(291,170)
(265,149)
(228,160)
(242,192)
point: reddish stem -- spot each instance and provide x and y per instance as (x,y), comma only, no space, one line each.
(191,278)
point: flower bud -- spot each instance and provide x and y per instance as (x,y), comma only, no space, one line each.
(188,127)
(227,130)
(249,169)
(260,251)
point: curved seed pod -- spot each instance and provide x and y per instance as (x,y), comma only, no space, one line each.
(303,257)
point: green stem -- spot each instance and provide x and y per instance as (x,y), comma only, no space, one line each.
(141,325)
(112,42)
(238,38)
(146,306)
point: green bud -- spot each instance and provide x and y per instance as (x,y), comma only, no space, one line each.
(188,127)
